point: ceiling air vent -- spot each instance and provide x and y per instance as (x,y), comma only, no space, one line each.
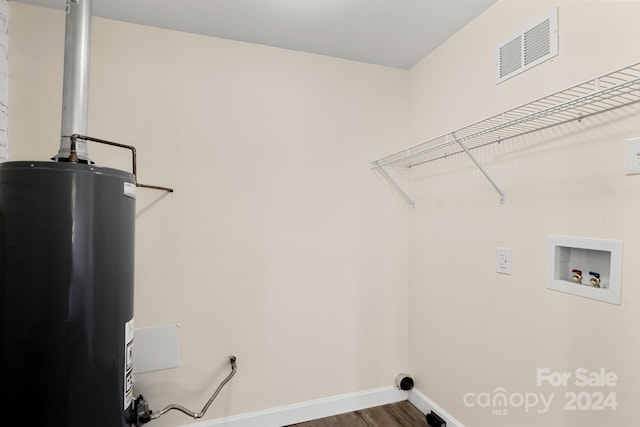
(529,47)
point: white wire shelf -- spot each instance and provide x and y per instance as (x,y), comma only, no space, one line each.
(611,91)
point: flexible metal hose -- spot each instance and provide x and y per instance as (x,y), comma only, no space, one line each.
(196,415)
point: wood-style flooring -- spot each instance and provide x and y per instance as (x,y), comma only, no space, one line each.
(400,414)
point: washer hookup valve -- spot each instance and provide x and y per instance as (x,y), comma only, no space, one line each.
(595,279)
(577,276)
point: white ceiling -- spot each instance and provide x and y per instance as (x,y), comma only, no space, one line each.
(395,33)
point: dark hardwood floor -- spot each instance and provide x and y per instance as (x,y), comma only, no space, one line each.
(400,414)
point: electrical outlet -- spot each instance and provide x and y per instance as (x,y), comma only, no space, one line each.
(503,260)
(633,156)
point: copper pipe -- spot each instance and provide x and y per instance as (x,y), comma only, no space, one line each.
(73,154)
(74,137)
(156,187)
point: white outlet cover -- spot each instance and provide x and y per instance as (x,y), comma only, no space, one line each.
(503,260)
(633,156)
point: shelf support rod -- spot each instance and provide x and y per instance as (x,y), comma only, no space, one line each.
(479,166)
(394,185)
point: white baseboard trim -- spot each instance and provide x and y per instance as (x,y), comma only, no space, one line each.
(311,410)
(426,405)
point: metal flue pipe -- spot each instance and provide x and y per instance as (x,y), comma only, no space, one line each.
(75,88)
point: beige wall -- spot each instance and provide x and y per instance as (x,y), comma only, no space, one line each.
(473,330)
(4,77)
(279,244)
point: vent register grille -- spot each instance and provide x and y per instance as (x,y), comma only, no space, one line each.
(528,48)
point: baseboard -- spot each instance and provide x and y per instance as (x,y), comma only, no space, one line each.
(426,405)
(310,410)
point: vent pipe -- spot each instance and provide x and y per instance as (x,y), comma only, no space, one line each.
(75,88)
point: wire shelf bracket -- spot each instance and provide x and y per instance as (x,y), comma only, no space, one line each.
(394,185)
(615,90)
(479,166)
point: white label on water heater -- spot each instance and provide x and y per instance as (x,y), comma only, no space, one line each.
(128,363)
(130,189)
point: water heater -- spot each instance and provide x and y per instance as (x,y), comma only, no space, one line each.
(66,293)
(67,273)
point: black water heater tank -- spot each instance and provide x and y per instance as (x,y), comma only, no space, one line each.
(66,293)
